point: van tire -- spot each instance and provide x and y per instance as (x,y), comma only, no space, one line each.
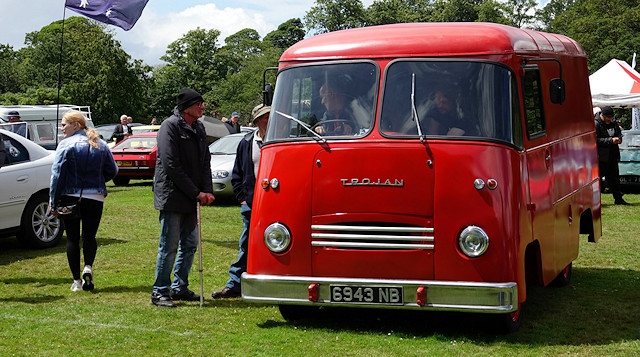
(38,228)
(509,323)
(298,312)
(564,278)
(121,181)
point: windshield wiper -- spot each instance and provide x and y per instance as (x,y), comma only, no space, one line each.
(414,111)
(305,126)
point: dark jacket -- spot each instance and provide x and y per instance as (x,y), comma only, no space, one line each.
(183,167)
(607,150)
(243,179)
(118,133)
(233,128)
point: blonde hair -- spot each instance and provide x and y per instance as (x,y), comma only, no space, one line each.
(74,116)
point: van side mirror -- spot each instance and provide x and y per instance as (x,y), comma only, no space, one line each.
(557,91)
(267,94)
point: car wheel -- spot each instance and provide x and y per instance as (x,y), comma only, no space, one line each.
(120,181)
(38,228)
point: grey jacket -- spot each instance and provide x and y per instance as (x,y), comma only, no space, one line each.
(183,167)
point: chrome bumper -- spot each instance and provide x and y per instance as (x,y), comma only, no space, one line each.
(440,295)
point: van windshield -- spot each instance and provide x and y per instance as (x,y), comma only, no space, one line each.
(453,99)
(336,101)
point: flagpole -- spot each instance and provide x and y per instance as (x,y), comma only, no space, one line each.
(64,15)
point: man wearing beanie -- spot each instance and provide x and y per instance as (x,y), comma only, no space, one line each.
(243,180)
(182,178)
(609,136)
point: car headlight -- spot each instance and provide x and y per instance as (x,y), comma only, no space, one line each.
(473,241)
(277,237)
(219,174)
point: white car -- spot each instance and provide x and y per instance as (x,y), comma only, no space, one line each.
(223,157)
(24,193)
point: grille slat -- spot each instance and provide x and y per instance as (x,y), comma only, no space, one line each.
(372,237)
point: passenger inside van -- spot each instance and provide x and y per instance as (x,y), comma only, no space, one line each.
(337,118)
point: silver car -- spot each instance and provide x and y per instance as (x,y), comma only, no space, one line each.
(24,193)
(223,156)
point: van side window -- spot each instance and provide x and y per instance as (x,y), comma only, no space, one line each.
(533,106)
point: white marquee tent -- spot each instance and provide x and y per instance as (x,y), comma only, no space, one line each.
(616,84)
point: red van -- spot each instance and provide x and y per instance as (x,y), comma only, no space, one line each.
(429,166)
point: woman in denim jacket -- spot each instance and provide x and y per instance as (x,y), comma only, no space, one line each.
(82,165)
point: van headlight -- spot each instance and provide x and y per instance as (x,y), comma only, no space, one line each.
(277,237)
(473,241)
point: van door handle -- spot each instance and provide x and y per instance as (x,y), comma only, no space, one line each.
(547,158)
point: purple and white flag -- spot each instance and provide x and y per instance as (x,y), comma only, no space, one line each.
(121,13)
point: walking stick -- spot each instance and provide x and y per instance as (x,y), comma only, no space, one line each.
(200,256)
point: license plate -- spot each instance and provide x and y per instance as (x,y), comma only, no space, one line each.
(385,295)
(629,179)
(124,163)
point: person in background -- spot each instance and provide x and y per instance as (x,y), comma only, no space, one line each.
(154,121)
(232,124)
(609,137)
(121,130)
(83,164)
(182,179)
(243,180)
(14,117)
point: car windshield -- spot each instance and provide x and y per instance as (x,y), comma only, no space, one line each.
(448,98)
(336,101)
(141,142)
(226,145)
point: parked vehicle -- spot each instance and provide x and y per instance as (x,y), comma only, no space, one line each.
(24,193)
(403,212)
(135,157)
(629,164)
(223,156)
(42,121)
(138,129)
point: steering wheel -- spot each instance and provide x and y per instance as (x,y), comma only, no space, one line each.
(335,127)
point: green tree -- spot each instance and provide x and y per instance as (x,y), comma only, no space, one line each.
(194,56)
(9,81)
(520,12)
(95,70)
(287,34)
(398,11)
(333,15)
(606,29)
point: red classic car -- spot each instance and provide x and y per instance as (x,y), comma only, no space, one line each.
(135,157)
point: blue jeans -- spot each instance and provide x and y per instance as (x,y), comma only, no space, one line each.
(178,237)
(240,266)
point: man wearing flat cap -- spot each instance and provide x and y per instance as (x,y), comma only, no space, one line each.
(182,179)
(243,180)
(232,124)
(609,136)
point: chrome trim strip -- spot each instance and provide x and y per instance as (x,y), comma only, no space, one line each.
(370,237)
(370,245)
(330,227)
(441,295)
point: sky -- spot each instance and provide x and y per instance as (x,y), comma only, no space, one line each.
(162,21)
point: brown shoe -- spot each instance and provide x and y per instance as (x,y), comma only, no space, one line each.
(225,294)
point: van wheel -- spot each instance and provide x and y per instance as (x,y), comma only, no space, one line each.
(509,323)
(39,229)
(297,312)
(120,181)
(564,278)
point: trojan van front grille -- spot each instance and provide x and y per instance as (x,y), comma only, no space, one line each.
(372,237)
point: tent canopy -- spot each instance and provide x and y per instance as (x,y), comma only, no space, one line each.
(615,85)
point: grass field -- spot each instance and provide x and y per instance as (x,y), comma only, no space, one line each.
(598,314)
